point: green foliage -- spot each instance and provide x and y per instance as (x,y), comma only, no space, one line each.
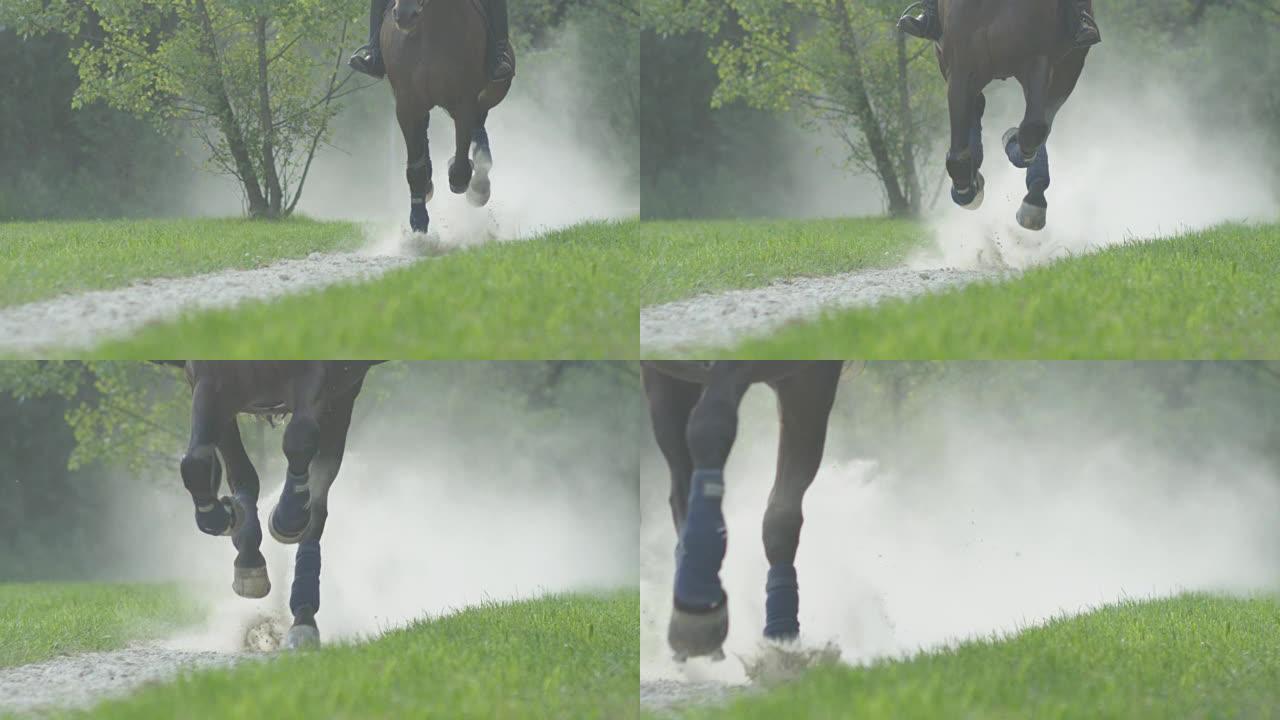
(839,64)
(58,163)
(1187,656)
(256,80)
(569,294)
(1205,295)
(44,620)
(559,656)
(42,259)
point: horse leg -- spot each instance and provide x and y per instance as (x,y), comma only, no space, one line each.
(804,404)
(250,579)
(291,517)
(418,168)
(966,182)
(460,167)
(700,614)
(1035,206)
(671,400)
(200,468)
(1034,130)
(479,190)
(304,596)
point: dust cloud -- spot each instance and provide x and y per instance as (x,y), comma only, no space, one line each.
(1130,159)
(993,524)
(419,526)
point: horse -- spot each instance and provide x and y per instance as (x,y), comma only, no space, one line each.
(693,407)
(984,40)
(320,396)
(434,52)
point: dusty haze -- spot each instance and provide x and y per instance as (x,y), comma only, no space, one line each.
(420,524)
(1003,517)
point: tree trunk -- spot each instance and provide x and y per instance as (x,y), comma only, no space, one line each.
(226,116)
(907,123)
(275,195)
(868,123)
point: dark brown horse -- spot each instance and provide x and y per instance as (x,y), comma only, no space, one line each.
(320,396)
(985,40)
(435,57)
(694,409)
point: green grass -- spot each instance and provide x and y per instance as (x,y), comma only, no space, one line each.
(1212,294)
(39,260)
(682,259)
(566,656)
(570,294)
(42,620)
(1193,656)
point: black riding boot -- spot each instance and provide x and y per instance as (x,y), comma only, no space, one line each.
(501,59)
(368,59)
(1085,31)
(921,20)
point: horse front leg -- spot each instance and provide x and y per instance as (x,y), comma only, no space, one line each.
(250,579)
(700,607)
(460,165)
(804,402)
(200,468)
(418,168)
(965,156)
(304,596)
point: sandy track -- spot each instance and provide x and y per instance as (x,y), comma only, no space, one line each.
(77,681)
(85,319)
(718,320)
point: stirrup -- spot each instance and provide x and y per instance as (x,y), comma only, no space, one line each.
(362,60)
(918,22)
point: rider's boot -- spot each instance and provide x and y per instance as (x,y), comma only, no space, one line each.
(500,59)
(921,20)
(368,59)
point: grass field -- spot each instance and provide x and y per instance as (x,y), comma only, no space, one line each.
(1210,294)
(1193,656)
(681,259)
(566,656)
(568,294)
(42,620)
(39,260)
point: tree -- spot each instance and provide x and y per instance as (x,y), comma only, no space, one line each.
(840,63)
(258,81)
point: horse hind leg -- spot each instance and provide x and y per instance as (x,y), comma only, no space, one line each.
(1033,215)
(804,401)
(417,170)
(479,190)
(250,578)
(1034,129)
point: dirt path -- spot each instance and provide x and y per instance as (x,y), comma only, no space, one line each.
(77,681)
(85,319)
(718,320)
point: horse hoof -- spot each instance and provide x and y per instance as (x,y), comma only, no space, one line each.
(285,537)
(1032,217)
(460,172)
(251,582)
(478,192)
(701,634)
(419,221)
(980,183)
(303,637)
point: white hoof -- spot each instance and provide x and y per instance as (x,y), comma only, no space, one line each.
(477,196)
(251,582)
(1032,217)
(301,637)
